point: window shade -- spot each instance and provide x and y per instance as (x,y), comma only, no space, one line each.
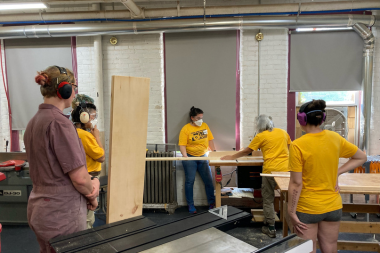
(24,57)
(326,61)
(201,72)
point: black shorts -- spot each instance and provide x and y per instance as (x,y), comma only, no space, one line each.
(316,218)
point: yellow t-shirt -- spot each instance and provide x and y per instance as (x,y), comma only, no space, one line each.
(195,138)
(274,146)
(92,150)
(317,157)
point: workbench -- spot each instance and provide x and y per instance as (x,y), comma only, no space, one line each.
(349,183)
(255,160)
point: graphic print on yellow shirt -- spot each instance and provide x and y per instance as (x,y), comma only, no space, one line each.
(92,149)
(274,145)
(317,157)
(195,138)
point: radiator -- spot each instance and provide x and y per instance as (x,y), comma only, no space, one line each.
(160,183)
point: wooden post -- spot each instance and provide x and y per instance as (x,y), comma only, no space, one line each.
(218,198)
(129,127)
(218,190)
(285,226)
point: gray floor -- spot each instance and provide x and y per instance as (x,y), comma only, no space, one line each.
(18,239)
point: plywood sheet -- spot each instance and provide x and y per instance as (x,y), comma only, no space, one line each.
(129,124)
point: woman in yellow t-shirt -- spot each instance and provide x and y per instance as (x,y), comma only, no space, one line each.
(85,111)
(273,142)
(315,205)
(195,139)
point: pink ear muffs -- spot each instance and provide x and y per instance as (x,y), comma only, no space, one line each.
(302,117)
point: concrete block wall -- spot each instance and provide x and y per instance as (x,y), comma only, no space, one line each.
(273,79)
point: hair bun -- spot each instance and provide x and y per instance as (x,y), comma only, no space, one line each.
(319,104)
(192,108)
(41,79)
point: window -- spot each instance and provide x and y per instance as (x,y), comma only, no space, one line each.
(331,97)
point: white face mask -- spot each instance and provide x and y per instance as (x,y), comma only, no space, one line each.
(198,122)
(94,122)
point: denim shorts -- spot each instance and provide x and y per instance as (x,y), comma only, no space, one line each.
(316,218)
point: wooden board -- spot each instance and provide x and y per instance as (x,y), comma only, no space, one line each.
(129,126)
(214,156)
(351,113)
(359,227)
(359,246)
(260,218)
(275,175)
(258,215)
(246,158)
(361,208)
(236,163)
(224,153)
(352,183)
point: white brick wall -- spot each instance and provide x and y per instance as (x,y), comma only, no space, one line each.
(134,55)
(273,79)
(4,115)
(86,64)
(140,56)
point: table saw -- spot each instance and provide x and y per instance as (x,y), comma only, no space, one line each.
(14,190)
(200,233)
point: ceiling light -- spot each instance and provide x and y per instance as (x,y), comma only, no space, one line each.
(323,29)
(20,6)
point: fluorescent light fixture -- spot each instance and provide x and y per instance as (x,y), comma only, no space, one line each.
(323,29)
(21,6)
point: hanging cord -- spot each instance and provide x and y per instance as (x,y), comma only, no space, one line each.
(257,202)
(231,173)
(7,95)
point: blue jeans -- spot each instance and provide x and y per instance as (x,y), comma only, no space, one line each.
(191,168)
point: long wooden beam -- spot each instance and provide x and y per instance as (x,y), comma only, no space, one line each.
(359,246)
(359,227)
(200,158)
(361,208)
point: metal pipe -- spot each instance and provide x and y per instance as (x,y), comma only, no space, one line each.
(290,8)
(132,7)
(183,25)
(258,77)
(369,44)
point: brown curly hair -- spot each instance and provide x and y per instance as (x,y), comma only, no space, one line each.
(49,79)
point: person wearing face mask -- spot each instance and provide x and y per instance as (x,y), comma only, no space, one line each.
(84,117)
(195,139)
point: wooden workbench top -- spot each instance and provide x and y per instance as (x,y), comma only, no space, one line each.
(214,157)
(239,162)
(350,183)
